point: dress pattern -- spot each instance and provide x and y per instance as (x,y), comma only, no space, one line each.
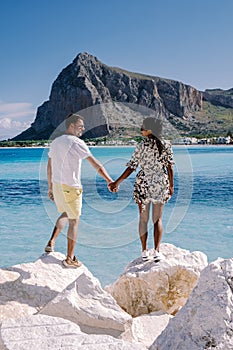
(152,182)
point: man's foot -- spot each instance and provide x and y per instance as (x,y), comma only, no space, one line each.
(158,256)
(49,248)
(145,255)
(74,263)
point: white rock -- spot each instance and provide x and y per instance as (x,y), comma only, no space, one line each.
(26,288)
(206,320)
(146,328)
(42,332)
(84,302)
(163,286)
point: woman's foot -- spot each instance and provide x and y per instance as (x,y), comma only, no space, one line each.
(157,256)
(145,255)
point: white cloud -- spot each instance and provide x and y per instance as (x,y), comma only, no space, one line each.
(15,118)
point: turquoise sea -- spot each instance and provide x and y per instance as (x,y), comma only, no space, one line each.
(198,217)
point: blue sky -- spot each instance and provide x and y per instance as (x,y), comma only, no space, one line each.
(185,40)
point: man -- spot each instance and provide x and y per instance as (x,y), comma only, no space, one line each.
(64,184)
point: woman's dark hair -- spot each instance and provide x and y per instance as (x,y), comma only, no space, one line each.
(156,126)
(72,118)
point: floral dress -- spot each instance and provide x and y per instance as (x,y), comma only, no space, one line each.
(152,182)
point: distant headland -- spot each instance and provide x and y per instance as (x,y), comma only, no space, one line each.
(113,101)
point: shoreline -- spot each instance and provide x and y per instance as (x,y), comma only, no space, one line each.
(122,146)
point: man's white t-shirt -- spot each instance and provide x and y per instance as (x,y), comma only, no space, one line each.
(66,153)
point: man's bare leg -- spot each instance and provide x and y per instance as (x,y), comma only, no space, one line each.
(72,236)
(59,226)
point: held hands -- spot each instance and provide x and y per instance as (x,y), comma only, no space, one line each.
(113,187)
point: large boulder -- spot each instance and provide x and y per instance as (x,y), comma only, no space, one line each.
(42,332)
(206,320)
(85,303)
(163,286)
(146,328)
(26,288)
(74,294)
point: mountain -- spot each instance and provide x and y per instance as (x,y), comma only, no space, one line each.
(219,97)
(113,100)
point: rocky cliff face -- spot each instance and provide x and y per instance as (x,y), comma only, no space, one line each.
(87,83)
(219,97)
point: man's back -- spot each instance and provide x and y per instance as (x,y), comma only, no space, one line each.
(67,152)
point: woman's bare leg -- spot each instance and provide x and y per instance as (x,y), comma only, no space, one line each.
(157,213)
(143,222)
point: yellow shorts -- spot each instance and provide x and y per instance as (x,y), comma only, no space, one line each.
(68,200)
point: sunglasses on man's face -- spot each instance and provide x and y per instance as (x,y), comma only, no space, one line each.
(143,129)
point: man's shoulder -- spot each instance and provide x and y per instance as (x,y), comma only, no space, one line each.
(65,138)
(70,141)
(76,141)
(58,139)
(61,141)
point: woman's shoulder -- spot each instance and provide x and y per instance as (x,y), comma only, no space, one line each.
(141,144)
(166,143)
(147,141)
(167,150)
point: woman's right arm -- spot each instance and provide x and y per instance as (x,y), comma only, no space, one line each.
(114,185)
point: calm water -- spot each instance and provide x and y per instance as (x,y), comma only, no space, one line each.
(198,217)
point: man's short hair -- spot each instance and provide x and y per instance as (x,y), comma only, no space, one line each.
(72,118)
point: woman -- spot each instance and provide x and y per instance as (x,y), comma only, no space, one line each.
(154,181)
